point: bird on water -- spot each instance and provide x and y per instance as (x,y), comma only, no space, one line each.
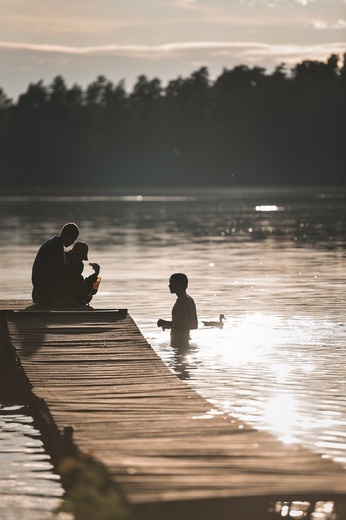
(218,324)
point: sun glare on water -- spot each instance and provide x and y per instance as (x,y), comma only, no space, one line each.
(243,342)
(255,366)
(268,207)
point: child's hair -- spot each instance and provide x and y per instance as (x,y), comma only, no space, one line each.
(181,278)
(81,249)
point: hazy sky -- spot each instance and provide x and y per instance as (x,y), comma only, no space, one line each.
(80,40)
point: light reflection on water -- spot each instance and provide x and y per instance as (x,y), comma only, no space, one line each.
(272,261)
(281,376)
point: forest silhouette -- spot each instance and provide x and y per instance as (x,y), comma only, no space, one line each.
(247,127)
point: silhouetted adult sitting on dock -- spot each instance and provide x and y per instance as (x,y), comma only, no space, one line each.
(48,265)
(74,288)
(184,314)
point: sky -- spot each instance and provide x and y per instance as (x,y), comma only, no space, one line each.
(80,40)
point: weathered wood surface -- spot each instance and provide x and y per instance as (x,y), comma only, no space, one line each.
(159,439)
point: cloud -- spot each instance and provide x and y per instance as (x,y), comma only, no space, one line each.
(276,3)
(305,2)
(62,24)
(155,21)
(36,20)
(174,48)
(322,25)
(241,16)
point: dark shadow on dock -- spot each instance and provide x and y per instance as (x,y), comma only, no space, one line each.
(56,321)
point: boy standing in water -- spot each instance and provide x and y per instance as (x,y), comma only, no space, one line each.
(184,314)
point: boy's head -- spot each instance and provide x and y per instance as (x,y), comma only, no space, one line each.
(80,251)
(178,282)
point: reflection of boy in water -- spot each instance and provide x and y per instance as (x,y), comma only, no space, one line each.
(74,287)
(184,314)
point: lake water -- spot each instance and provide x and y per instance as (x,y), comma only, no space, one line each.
(273,261)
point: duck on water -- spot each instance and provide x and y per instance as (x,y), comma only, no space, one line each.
(218,324)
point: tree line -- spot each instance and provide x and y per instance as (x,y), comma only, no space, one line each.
(246,127)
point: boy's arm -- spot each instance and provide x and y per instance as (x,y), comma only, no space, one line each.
(96,267)
(165,324)
(90,280)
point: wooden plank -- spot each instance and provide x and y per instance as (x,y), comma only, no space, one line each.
(160,440)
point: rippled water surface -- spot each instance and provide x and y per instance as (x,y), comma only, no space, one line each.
(29,489)
(272,261)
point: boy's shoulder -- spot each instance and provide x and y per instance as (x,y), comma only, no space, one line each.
(185,298)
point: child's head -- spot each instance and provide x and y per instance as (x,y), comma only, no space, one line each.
(178,282)
(80,251)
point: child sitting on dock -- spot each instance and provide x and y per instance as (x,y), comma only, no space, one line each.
(74,288)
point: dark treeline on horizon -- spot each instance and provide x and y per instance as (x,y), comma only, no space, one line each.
(246,127)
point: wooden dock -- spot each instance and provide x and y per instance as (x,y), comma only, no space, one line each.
(161,442)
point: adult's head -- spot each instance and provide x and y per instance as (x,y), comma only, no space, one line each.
(178,283)
(69,233)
